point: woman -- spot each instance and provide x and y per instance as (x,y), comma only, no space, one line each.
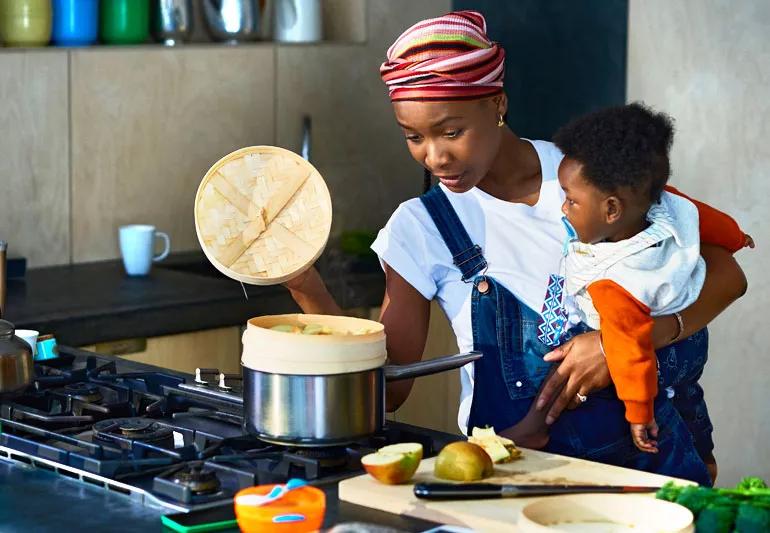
(484,244)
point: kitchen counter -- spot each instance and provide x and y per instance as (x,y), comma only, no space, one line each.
(97,302)
(43,501)
(70,505)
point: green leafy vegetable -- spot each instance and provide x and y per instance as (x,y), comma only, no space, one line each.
(743,509)
(752,519)
(715,519)
(749,483)
(696,498)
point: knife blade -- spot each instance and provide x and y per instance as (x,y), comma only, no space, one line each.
(475,491)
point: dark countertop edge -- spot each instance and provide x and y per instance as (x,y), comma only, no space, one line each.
(223,306)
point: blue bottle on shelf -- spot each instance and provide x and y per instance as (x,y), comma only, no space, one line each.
(75,22)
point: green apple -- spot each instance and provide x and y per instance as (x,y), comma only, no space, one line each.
(463,461)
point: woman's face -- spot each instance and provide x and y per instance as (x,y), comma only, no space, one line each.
(456,141)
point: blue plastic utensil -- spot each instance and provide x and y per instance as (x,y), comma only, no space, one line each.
(276,493)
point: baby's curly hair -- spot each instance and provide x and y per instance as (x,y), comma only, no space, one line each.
(624,146)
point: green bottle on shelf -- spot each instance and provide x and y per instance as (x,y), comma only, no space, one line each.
(124,21)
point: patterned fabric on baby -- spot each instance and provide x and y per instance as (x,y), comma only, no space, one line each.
(554,316)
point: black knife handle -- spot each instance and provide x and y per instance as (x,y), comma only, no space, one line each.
(474,491)
(460,491)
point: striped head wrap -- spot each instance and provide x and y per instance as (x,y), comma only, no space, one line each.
(445,58)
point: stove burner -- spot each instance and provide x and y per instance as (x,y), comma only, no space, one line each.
(328,457)
(142,429)
(198,479)
(85,392)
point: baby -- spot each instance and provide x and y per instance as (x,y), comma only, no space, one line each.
(633,250)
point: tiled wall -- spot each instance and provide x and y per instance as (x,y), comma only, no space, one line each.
(358,147)
(100,137)
(146,126)
(34,156)
(707,63)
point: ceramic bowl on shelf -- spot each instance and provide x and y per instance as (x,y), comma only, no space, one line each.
(25,22)
(75,22)
(124,21)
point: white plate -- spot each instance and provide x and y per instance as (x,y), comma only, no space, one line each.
(605,513)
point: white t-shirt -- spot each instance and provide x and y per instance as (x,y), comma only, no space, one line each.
(522,245)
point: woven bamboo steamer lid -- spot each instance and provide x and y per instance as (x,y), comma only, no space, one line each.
(263,215)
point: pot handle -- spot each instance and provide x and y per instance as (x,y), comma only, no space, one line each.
(432,366)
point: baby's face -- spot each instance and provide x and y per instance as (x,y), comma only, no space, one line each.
(583,205)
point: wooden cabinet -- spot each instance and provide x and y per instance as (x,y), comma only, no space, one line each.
(434,399)
(213,348)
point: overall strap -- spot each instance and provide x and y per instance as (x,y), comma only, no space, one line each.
(466,255)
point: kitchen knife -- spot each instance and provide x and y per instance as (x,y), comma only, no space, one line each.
(476,491)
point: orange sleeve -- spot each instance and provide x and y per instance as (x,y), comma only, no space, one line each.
(626,327)
(716,227)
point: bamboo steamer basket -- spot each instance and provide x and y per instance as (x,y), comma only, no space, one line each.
(278,352)
(262,215)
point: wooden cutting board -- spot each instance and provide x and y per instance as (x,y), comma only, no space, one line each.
(262,215)
(497,514)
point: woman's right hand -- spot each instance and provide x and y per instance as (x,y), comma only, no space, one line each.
(296,283)
(309,291)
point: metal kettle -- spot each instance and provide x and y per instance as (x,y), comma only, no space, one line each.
(15,361)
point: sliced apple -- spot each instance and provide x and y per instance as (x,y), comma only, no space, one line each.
(395,466)
(480,433)
(286,328)
(500,449)
(463,461)
(412,449)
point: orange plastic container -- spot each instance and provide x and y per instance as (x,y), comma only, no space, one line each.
(299,511)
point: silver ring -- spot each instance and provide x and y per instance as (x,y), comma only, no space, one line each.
(582,398)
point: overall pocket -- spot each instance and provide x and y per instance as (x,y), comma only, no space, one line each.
(519,351)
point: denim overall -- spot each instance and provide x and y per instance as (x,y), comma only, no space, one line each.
(509,375)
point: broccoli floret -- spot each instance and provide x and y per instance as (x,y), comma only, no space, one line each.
(749,483)
(669,492)
(715,519)
(696,498)
(752,519)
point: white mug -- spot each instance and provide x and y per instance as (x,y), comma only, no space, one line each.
(30,337)
(137,243)
(298,20)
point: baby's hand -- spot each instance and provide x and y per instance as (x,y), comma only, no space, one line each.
(641,434)
(748,241)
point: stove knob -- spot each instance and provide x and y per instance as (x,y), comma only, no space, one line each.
(203,376)
(226,380)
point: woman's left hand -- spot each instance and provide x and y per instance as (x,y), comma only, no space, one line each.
(583,369)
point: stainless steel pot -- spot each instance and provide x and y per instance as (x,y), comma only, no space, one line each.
(15,361)
(328,410)
(232,21)
(172,21)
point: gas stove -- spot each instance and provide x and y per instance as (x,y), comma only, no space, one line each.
(163,437)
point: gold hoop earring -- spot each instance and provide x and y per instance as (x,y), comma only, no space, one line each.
(500,121)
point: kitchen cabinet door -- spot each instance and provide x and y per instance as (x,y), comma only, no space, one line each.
(434,399)
(214,348)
